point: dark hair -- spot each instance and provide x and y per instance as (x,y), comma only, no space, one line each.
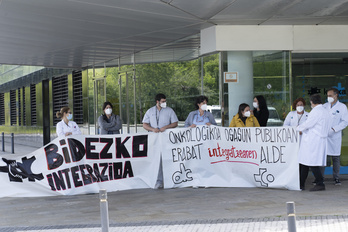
(159,97)
(315,99)
(300,99)
(63,110)
(199,100)
(334,90)
(106,104)
(241,109)
(262,102)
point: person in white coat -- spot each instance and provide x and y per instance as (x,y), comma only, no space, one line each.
(313,147)
(297,116)
(339,115)
(66,127)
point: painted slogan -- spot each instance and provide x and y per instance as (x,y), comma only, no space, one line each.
(82,164)
(205,156)
(210,156)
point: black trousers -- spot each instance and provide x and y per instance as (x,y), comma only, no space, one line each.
(316,172)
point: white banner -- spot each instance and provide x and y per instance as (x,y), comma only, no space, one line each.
(210,156)
(202,156)
(82,164)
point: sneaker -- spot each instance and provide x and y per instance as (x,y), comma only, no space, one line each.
(337,182)
(317,188)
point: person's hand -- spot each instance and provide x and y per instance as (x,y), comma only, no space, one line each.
(162,129)
(300,132)
(193,125)
(68,133)
(208,123)
(156,130)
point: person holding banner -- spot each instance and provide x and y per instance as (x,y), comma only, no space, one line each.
(260,110)
(298,116)
(244,118)
(157,119)
(66,127)
(160,117)
(200,116)
(313,147)
(109,123)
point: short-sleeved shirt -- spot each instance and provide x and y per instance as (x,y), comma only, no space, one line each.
(200,120)
(160,118)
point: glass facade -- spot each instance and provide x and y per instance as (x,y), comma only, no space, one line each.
(317,72)
(269,76)
(132,89)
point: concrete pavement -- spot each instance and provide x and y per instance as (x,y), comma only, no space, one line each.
(186,209)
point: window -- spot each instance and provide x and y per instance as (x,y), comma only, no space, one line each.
(60,95)
(2,109)
(13,114)
(33,104)
(77,97)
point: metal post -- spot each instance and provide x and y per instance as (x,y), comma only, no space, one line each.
(290,207)
(104,211)
(12,142)
(127,103)
(135,97)
(3,141)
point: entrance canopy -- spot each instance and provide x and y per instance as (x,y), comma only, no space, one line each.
(82,33)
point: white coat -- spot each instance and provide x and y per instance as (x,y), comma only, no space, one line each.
(339,120)
(295,119)
(315,129)
(63,128)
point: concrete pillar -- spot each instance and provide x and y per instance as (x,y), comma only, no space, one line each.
(241,91)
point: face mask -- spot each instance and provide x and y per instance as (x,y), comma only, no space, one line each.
(108,111)
(330,99)
(69,117)
(255,105)
(163,104)
(204,107)
(247,114)
(299,108)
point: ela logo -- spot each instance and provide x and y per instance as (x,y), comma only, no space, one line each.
(341,90)
(18,171)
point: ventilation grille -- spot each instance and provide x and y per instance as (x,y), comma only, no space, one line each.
(19,107)
(24,112)
(2,109)
(13,107)
(33,104)
(59,94)
(77,96)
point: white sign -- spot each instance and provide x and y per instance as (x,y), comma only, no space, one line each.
(231,77)
(209,156)
(82,164)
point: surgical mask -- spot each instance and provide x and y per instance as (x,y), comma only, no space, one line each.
(247,114)
(69,117)
(204,107)
(255,105)
(108,111)
(163,104)
(330,99)
(299,108)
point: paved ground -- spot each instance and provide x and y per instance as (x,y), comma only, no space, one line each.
(187,209)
